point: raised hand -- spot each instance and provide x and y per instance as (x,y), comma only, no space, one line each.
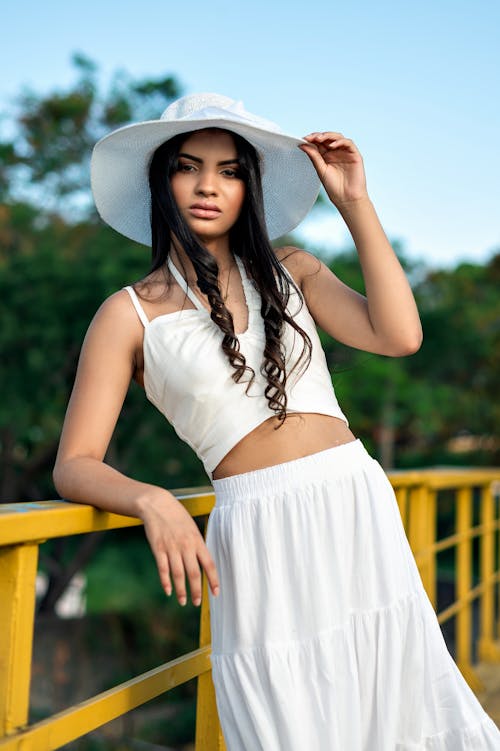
(339,166)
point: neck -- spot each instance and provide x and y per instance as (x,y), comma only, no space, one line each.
(218,248)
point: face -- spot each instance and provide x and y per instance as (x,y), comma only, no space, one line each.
(206,185)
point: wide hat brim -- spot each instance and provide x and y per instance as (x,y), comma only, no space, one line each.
(120,164)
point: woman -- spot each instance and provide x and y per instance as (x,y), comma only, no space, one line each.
(322,634)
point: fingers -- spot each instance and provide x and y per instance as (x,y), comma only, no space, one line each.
(316,158)
(329,149)
(188,563)
(208,564)
(320,137)
(179,548)
(192,568)
(329,141)
(177,569)
(164,572)
(179,562)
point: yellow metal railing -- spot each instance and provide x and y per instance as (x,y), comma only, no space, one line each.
(417,496)
(23,527)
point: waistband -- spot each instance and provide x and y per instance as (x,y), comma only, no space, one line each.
(330,463)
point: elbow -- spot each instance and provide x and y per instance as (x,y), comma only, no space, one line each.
(62,478)
(57,478)
(409,345)
(415,344)
(404,345)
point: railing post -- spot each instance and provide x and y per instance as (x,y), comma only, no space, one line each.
(18,566)
(487,648)
(463,586)
(208,730)
(418,532)
(401,494)
(431,503)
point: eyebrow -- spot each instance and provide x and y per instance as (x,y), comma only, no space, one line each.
(200,161)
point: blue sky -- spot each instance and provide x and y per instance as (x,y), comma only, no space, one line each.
(415,85)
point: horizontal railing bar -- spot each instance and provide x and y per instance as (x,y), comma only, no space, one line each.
(44,520)
(462,478)
(81,719)
(472,594)
(441,479)
(452,540)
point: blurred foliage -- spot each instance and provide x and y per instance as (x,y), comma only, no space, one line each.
(448,388)
(48,158)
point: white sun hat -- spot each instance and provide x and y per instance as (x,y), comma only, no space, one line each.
(120,164)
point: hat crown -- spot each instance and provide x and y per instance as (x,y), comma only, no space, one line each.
(215,106)
(190,104)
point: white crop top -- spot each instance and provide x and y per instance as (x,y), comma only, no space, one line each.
(187,376)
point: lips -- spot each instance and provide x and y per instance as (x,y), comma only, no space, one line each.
(205,210)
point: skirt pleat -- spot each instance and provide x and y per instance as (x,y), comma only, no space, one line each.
(323,636)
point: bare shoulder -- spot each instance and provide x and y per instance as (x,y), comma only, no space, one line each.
(300,263)
(116,320)
(116,307)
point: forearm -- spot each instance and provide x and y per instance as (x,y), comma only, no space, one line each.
(175,540)
(88,480)
(392,309)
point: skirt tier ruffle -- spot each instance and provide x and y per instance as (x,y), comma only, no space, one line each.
(323,637)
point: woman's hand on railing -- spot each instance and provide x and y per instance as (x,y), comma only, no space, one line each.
(178,546)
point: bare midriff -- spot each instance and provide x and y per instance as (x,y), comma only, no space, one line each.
(300,435)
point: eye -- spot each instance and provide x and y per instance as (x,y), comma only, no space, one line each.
(185,167)
(231,172)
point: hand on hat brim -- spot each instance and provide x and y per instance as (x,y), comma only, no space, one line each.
(339,165)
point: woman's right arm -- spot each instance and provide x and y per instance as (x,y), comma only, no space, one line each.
(105,368)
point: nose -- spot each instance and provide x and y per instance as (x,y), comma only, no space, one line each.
(206,185)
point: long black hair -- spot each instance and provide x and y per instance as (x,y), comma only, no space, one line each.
(249,240)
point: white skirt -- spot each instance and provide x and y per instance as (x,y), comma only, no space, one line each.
(323,636)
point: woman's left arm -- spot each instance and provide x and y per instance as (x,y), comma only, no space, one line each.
(386,321)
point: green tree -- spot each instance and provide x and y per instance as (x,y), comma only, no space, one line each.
(456,371)
(46,162)
(408,409)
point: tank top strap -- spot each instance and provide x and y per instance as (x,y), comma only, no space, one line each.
(252,296)
(137,305)
(184,285)
(292,280)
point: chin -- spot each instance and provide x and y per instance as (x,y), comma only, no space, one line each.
(205,236)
